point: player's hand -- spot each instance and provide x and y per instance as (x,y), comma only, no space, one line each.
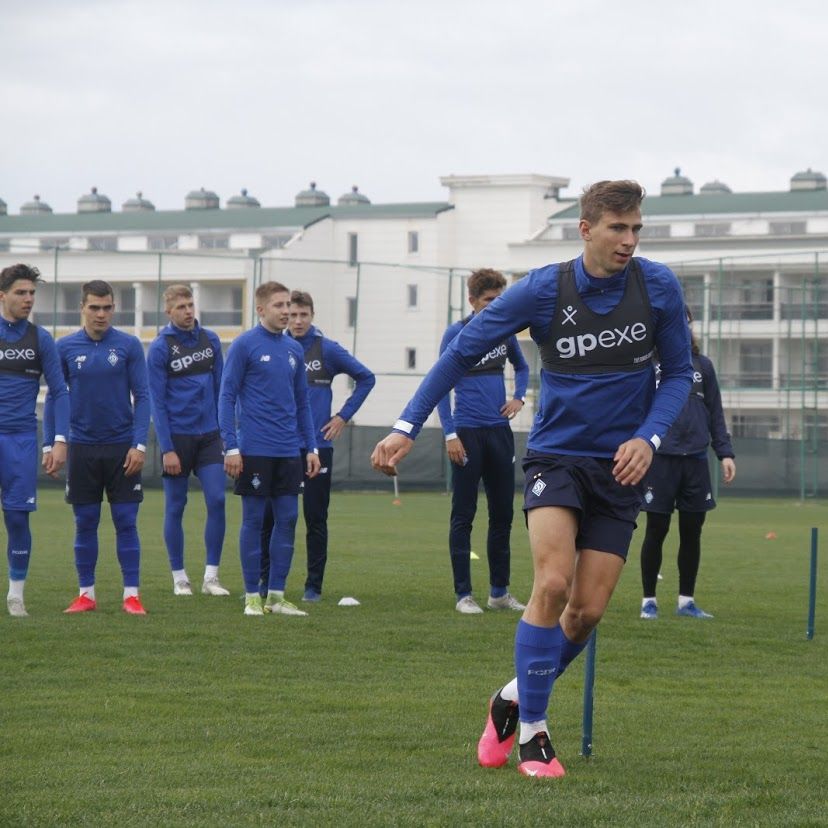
(389,451)
(728,469)
(333,428)
(456,451)
(171,463)
(512,408)
(55,460)
(313,464)
(134,462)
(233,465)
(632,460)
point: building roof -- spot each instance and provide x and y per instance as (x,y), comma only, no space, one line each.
(800,201)
(190,221)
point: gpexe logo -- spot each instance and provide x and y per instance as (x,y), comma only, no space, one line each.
(182,363)
(17,353)
(581,345)
(313,365)
(494,354)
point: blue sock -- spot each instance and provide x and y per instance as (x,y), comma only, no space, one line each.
(250,550)
(175,499)
(285,515)
(127,544)
(537,653)
(19,546)
(87,518)
(213,480)
(498,592)
(569,652)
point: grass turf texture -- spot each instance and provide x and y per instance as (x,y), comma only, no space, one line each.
(197,715)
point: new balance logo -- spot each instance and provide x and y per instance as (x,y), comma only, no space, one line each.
(264,358)
(581,345)
(30,500)
(136,487)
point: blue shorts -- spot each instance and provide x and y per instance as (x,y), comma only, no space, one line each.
(18,471)
(678,482)
(196,451)
(270,476)
(95,468)
(606,509)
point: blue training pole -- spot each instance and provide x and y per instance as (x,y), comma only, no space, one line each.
(589,687)
(812,590)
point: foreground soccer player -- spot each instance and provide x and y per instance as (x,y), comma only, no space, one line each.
(323,360)
(264,386)
(480,445)
(108,424)
(26,352)
(184,364)
(596,321)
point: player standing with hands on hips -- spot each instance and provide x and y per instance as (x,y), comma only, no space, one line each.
(596,321)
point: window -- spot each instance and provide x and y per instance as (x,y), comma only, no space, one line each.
(572,233)
(352,311)
(102,243)
(412,296)
(163,242)
(693,287)
(411,358)
(655,231)
(51,244)
(273,242)
(755,425)
(755,363)
(5,245)
(214,242)
(413,241)
(353,250)
(712,228)
(787,228)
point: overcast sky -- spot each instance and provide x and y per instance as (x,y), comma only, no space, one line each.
(166,97)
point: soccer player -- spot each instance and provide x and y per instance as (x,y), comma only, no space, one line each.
(679,477)
(184,364)
(109,419)
(264,390)
(480,444)
(323,360)
(596,320)
(26,352)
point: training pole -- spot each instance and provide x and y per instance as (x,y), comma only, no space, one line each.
(589,686)
(396,500)
(812,591)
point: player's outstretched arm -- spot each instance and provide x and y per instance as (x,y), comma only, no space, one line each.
(388,452)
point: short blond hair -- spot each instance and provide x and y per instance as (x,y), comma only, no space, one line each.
(266,289)
(174,292)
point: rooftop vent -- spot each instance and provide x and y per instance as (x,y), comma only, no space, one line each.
(808,180)
(35,207)
(312,197)
(243,200)
(201,200)
(715,187)
(354,197)
(677,184)
(139,204)
(94,202)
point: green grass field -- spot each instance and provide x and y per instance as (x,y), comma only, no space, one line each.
(197,715)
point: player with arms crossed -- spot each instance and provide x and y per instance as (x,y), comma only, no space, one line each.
(480,444)
(184,364)
(596,321)
(265,420)
(27,351)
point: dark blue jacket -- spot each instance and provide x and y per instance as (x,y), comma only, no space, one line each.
(701,421)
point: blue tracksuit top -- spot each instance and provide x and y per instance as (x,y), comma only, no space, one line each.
(478,397)
(701,421)
(18,393)
(188,404)
(264,391)
(578,414)
(108,394)
(336,360)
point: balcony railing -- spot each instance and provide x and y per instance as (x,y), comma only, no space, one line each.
(796,310)
(745,379)
(742,310)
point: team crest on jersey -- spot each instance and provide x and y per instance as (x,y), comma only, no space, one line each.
(292,362)
(256,482)
(112,359)
(648,497)
(537,489)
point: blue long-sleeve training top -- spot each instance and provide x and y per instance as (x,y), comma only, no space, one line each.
(701,422)
(108,393)
(19,389)
(481,393)
(332,359)
(263,401)
(184,370)
(587,414)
